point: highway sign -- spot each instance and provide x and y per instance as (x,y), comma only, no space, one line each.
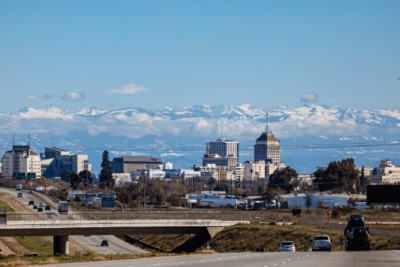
(30,183)
(18,176)
(108,202)
(31,176)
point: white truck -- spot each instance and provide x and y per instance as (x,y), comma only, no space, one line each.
(63,206)
(216,203)
(329,204)
(321,242)
(19,186)
(361,206)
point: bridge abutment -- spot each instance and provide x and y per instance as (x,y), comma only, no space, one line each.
(61,245)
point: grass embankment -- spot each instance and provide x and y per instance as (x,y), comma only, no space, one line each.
(165,243)
(4,204)
(37,244)
(241,238)
(248,237)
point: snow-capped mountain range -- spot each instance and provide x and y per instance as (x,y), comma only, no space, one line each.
(194,125)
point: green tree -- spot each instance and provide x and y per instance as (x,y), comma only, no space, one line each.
(66,176)
(75,180)
(270,194)
(106,173)
(287,179)
(308,201)
(342,174)
(86,174)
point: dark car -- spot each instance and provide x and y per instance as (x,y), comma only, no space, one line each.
(30,191)
(31,202)
(35,207)
(355,220)
(40,209)
(104,243)
(358,239)
(19,195)
(259,249)
(48,207)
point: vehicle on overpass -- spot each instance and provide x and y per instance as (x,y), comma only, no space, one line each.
(31,202)
(104,243)
(287,246)
(63,206)
(19,186)
(358,239)
(321,242)
(259,249)
(19,195)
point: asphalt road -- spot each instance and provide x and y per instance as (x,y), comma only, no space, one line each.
(116,245)
(297,259)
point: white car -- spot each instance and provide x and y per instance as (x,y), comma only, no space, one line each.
(287,246)
(321,242)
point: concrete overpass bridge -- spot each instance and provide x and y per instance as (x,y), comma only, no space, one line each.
(61,226)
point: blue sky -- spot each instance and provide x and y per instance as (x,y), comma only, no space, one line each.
(116,54)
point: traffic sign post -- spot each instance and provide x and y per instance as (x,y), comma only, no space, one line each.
(108,202)
(18,176)
(31,183)
(31,176)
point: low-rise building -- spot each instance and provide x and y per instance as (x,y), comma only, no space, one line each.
(254,170)
(127,164)
(58,161)
(386,173)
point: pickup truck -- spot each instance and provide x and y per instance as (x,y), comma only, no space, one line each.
(321,242)
(358,239)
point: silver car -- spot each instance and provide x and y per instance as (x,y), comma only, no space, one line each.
(321,242)
(287,246)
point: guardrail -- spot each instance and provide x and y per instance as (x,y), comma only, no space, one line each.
(124,216)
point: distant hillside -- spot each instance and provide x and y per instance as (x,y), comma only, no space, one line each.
(192,126)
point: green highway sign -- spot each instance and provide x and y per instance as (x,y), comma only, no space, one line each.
(31,176)
(18,176)
(108,202)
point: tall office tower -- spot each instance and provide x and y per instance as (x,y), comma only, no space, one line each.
(224,152)
(267,147)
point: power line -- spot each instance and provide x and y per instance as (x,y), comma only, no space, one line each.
(289,147)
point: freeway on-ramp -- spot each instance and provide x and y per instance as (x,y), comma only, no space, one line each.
(116,245)
(275,259)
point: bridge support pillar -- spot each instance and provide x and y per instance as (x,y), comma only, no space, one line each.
(61,245)
(212,231)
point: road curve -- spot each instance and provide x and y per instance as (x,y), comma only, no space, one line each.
(298,259)
(116,245)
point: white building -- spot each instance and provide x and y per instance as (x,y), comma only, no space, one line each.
(62,160)
(254,170)
(239,172)
(21,159)
(224,147)
(305,179)
(386,173)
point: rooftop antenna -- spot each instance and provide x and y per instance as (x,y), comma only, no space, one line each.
(266,126)
(222,129)
(13,141)
(29,139)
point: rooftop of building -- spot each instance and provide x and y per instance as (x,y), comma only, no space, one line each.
(267,136)
(138,159)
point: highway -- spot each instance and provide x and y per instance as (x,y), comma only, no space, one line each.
(298,259)
(116,245)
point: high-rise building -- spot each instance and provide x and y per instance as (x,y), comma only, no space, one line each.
(223,152)
(21,159)
(267,148)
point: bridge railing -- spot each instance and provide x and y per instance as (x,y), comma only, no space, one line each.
(124,216)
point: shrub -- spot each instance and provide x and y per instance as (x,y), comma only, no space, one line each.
(297,211)
(335,214)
